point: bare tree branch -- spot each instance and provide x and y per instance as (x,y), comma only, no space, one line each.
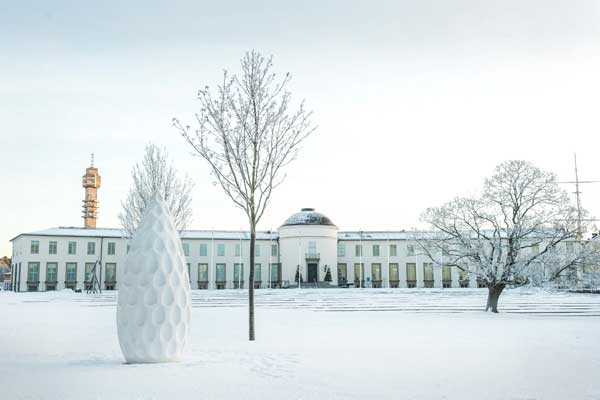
(248,135)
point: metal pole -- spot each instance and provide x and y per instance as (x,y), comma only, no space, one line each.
(212,257)
(360,266)
(579,228)
(388,259)
(240,264)
(442,265)
(270,256)
(299,262)
(417,267)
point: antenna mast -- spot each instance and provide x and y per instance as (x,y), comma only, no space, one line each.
(577,192)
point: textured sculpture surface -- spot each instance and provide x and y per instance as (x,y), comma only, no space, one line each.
(153,310)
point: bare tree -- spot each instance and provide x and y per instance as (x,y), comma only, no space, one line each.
(522,226)
(248,135)
(156,173)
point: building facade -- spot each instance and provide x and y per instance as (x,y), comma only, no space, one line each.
(308,245)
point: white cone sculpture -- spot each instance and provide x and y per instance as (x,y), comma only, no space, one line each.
(153,311)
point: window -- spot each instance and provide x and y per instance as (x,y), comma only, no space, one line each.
(202,272)
(411,275)
(375,250)
(238,275)
(88,276)
(569,247)
(88,271)
(359,274)
(35,247)
(51,275)
(393,250)
(275,272)
(394,275)
(221,249)
(186,249)
(33,276)
(52,246)
(428,275)
(376,275)
(274,251)
(220,273)
(71,272)
(91,248)
(341,249)
(111,276)
(238,250)
(33,272)
(312,247)
(410,249)
(463,277)
(51,272)
(189,268)
(203,251)
(111,248)
(342,272)
(257,273)
(358,250)
(128,248)
(257,250)
(446,276)
(72,249)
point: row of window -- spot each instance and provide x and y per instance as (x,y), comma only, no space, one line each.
(70,269)
(375,250)
(238,272)
(394,272)
(112,246)
(410,249)
(203,250)
(72,248)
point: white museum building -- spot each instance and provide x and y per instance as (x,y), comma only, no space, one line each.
(64,257)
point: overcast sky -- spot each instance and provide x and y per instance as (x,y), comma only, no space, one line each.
(416,101)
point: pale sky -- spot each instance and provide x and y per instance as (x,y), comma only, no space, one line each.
(416,101)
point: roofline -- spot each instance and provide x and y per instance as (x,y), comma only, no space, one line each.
(121,236)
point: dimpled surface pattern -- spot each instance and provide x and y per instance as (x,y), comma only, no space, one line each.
(153,310)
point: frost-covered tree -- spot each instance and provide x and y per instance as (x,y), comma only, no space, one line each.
(248,134)
(521,228)
(156,173)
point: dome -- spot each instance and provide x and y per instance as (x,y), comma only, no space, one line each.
(308,216)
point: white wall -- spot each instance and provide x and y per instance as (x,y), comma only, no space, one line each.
(294,241)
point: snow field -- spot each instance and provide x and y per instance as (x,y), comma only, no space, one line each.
(313,344)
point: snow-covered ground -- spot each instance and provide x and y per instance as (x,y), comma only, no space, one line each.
(313,344)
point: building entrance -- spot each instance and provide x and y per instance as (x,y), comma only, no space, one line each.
(313,273)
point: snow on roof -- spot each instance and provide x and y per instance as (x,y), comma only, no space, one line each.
(308,216)
(119,233)
(65,231)
(382,235)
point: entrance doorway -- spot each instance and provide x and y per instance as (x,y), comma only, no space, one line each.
(313,273)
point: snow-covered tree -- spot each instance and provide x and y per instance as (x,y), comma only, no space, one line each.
(521,228)
(248,135)
(156,173)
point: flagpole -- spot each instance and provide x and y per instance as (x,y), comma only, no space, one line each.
(299,262)
(388,260)
(240,264)
(270,256)
(360,272)
(212,257)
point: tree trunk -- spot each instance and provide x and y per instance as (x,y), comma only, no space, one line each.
(251,335)
(494,293)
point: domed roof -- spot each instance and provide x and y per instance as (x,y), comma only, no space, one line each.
(308,216)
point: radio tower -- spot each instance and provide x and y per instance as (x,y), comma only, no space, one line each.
(91,183)
(577,193)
